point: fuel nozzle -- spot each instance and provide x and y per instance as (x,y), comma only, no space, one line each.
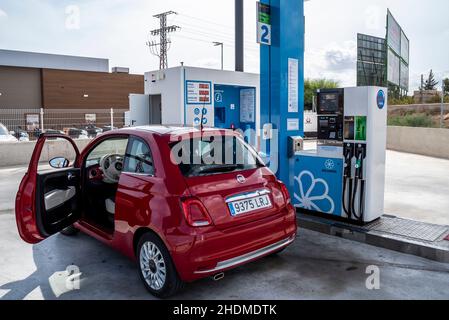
(348,155)
(360,154)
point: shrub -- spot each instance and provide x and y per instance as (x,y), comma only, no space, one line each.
(401,101)
(411,120)
(435,99)
(312,85)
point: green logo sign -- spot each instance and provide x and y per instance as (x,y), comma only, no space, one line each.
(264,13)
(360,128)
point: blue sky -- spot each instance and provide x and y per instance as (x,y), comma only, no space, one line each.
(118,30)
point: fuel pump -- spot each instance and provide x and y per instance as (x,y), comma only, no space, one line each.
(344,175)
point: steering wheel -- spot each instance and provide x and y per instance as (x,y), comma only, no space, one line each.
(112,166)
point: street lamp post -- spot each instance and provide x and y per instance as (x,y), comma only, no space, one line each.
(442,106)
(216,44)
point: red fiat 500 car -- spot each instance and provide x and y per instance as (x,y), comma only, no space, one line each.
(154,194)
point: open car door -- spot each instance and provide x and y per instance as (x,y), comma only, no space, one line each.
(47,202)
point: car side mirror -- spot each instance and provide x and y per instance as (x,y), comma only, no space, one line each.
(12,133)
(59,163)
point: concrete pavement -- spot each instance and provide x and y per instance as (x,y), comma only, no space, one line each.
(9,184)
(417,187)
(316,266)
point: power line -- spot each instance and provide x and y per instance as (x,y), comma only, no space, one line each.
(192,36)
(161,49)
(213,27)
(248,43)
(217,36)
(253,50)
(206,21)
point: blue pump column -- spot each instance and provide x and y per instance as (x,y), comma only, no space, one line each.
(287,45)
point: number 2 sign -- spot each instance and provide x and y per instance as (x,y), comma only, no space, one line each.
(264,33)
(263,24)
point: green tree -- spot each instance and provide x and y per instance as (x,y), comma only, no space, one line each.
(312,85)
(430,83)
(446,86)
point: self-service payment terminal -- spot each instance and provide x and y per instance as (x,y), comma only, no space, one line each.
(343,174)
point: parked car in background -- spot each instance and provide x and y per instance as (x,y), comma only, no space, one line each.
(92,130)
(109,128)
(53,131)
(36,133)
(5,135)
(179,221)
(50,132)
(76,133)
(21,135)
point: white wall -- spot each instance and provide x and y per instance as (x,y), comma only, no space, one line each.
(430,142)
(19,153)
(52,61)
(171,90)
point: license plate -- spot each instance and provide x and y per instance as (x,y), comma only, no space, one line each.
(249,205)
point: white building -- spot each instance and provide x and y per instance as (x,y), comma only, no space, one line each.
(188,95)
(52,61)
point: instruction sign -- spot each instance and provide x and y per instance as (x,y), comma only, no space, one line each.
(32,121)
(263,24)
(292,124)
(293,87)
(198,92)
(247,105)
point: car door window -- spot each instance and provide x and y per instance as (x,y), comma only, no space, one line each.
(116,145)
(138,158)
(55,148)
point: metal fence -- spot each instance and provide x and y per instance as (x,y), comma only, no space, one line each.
(73,122)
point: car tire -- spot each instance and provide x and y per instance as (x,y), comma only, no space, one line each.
(70,231)
(152,259)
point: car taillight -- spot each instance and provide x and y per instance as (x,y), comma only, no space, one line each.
(195,213)
(285,192)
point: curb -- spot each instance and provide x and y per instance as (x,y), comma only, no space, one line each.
(436,251)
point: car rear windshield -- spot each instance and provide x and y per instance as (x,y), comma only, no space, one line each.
(214,155)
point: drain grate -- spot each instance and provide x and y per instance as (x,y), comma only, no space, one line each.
(408,228)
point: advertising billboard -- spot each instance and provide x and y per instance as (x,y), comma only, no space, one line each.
(404,79)
(398,56)
(405,47)
(393,33)
(394,65)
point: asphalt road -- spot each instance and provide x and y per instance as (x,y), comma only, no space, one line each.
(316,266)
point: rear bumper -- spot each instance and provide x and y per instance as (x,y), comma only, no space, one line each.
(206,253)
(230,263)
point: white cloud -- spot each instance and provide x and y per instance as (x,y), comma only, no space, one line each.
(341,57)
(3,14)
(336,61)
